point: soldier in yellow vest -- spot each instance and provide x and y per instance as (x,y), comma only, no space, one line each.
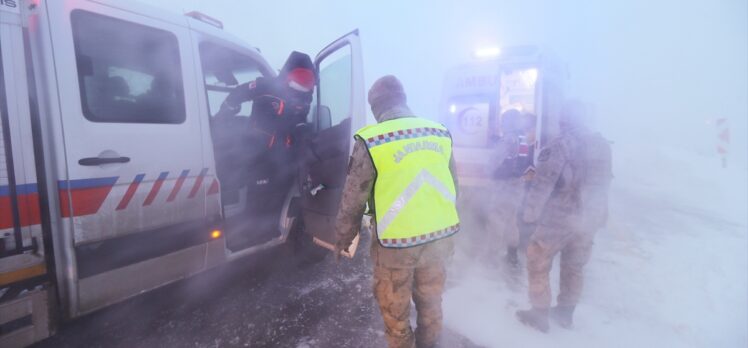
(402,167)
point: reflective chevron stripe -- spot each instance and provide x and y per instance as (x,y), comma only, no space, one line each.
(414,194)
(422,178)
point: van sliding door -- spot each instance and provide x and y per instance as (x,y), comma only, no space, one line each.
(133,190)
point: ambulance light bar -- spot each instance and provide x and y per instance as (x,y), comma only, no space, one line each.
(490,52)
(205,19)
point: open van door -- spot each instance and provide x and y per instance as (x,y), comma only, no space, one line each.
(338,112)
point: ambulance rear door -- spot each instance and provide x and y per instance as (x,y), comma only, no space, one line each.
(19,204)
(469,109)
(26,267)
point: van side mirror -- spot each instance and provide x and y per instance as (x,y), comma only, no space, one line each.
(324,117)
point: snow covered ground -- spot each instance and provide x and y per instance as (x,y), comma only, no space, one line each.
(670,270)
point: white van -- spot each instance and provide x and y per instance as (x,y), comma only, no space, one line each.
(112,168)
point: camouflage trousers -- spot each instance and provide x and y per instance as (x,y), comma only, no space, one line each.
(575,249)
(394,288)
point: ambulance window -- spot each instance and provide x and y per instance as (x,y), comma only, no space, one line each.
(518,90)
(335,85)
(223,70)
(517,103)
(128,73)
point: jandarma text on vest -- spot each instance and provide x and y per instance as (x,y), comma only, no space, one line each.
(419,146)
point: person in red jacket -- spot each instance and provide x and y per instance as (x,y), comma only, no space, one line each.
(263,156)
(280,103)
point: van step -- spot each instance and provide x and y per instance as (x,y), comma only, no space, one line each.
(20,267)
(24,320)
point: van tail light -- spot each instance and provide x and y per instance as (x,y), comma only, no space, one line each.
(215,234)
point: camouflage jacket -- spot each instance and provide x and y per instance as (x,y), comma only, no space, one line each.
(570,186)
(358,187)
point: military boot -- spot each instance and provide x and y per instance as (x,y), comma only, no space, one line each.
(563,316)
(536,318)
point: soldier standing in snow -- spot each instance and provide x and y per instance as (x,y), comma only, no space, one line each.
(403,166)
(566,203)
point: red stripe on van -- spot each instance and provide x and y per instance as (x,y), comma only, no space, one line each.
(28,211)
(85,195)
(156,187)
(198,183)
(178,185)
(130,192)
(85,201)
(213,187)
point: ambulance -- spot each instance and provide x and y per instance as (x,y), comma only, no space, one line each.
(501,109)
(116,179)
(479,97)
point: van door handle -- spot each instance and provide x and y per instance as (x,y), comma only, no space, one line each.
(95,161)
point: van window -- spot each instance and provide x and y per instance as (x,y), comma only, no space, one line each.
(127,72)
(335,85)
(223,70)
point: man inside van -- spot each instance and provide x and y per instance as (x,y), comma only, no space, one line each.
(279,103)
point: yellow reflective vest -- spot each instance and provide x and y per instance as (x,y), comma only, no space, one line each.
(414,194)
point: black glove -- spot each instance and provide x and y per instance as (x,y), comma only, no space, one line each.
(242,93)
(228,109)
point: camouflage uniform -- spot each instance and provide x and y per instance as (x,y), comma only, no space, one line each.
(567,199)
(399,274)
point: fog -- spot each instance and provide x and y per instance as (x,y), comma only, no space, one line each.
(670,268)
(658,71)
